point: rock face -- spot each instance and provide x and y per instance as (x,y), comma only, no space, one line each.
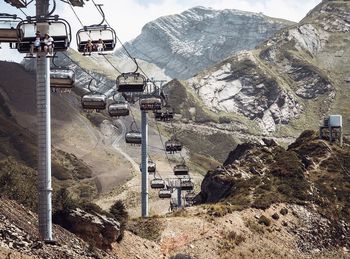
(292,77)
(19,237)
(186,43)
(98,230)
(310,172)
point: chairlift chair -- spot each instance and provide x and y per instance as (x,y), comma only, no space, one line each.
(93,100)
(151,167)
(157,183)
(8,32)
(166,113)
(190,196)
(62,78)
(59,29)
(173,145)
(118,109)
(17,3)
(150,104)
(164,193)
(186,185)
(181,169)
(94,33)
(133,137)
(131,82)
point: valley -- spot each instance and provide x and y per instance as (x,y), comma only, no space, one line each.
(249,93)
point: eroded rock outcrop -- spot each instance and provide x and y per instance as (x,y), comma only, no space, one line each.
(97,229)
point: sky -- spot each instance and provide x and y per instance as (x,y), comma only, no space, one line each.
(128,17)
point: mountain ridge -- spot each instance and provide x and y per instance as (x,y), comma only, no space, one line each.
(183,44)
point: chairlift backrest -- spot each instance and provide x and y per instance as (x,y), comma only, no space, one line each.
(59,29)
(157,183)
(94,101)
(150,104)
(62,78)
(131,82)
(186,185)
(164,194)
(8,28)
(181,170)
(133,137)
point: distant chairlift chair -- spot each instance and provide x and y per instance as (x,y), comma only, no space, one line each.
(157,183)
(61,78)
(94,100)
(118,108)
(133,136)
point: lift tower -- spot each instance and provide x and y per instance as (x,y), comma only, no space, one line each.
(144,165)
(44,129)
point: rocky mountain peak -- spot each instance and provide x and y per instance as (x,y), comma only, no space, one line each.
(294,75)
(183,44)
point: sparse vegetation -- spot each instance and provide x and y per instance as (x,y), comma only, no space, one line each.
(254,226)
(150,228)
(229,241)
(119,212)
(219,209)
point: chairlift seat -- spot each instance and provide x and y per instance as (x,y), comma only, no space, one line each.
(133,137)
(157,184)
(131,82)
(94,101)
(118,109)
(150,104)
(165,194)
(181,170)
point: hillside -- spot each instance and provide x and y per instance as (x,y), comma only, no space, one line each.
(287,83)
(186,43)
